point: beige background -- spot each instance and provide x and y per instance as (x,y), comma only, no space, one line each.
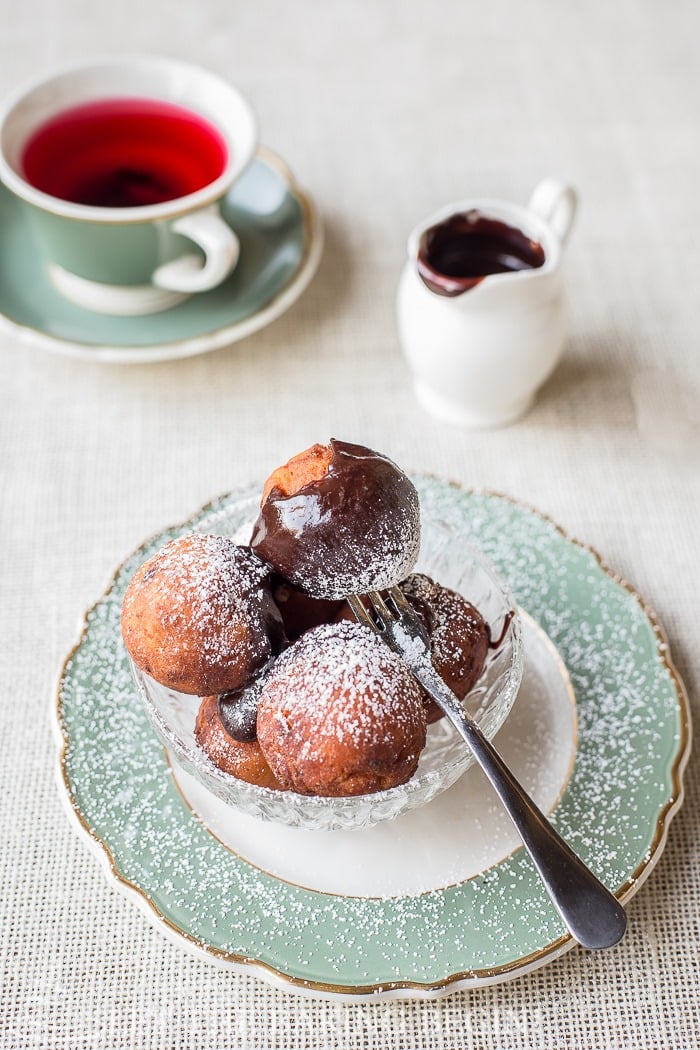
(385,111)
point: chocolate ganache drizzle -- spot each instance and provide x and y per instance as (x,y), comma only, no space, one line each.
(354,530)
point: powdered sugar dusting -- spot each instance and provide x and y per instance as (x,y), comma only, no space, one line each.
(342,682)
(455,625)
(379,558)
(203,578)
(199,598)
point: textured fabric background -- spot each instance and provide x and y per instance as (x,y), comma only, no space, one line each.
(385,111)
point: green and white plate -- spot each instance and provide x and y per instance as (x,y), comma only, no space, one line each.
(281,243)
(441,898)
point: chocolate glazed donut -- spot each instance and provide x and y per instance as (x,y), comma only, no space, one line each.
(355,529)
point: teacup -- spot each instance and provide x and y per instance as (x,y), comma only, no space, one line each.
(122,165)
(481,308)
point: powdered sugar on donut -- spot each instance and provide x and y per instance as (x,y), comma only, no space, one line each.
(378,559)
(200,606)
(338,695)
(453,621)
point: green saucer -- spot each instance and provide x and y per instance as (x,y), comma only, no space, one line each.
(281,242)
(626,784)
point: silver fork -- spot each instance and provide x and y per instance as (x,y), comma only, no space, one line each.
(591,912)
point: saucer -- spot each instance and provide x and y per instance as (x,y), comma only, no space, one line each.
(281,243)
(406,909)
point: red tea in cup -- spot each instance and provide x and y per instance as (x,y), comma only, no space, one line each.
(124,153)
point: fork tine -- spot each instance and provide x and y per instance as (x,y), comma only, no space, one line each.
(380,607)
(360,612)
(400,600)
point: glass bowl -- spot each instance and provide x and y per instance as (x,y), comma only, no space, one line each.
(448,556)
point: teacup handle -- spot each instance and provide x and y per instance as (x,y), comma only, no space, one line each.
(556,203)
(221,250)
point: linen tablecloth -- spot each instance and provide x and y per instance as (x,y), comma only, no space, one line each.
(384,112)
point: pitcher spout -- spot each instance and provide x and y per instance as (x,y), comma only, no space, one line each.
(441,284)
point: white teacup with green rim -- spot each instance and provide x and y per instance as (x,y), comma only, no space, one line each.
(122,165)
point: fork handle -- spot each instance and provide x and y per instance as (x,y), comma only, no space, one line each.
(591,912)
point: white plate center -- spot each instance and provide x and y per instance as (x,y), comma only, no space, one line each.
(459,834)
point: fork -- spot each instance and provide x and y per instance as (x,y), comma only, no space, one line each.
(592,914)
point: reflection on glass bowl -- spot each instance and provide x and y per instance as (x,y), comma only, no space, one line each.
(448,556)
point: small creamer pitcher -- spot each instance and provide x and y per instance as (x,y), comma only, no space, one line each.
(481,307)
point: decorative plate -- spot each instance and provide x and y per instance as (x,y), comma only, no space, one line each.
(441,898)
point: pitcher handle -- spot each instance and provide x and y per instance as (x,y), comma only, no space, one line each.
(556,203)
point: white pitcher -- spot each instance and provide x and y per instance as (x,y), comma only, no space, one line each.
(480,348)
